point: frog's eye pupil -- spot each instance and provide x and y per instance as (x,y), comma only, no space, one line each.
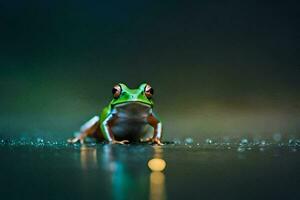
(116,91)
(149,91)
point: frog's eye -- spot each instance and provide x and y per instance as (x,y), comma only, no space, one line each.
(149,91)
(116,91)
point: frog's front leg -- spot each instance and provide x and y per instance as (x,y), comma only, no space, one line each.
(157,126)
(107,132)
(90,128)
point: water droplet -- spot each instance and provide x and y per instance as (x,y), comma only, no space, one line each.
(241,149)
(291,142)
(176,141)
(189,140)
(263,142)
(244,141)
(39,140)
(208,141)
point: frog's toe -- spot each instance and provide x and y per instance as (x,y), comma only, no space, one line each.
(157,141)
(120,142)
(146,139)
(72,140)
(75,140)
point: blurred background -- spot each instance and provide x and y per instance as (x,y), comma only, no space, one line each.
(219,68)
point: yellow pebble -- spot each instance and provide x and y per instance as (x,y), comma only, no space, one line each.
(157,164)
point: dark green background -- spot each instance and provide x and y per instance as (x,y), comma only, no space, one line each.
(227,68)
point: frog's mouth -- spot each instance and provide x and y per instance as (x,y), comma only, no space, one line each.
(133,108)
(133,104)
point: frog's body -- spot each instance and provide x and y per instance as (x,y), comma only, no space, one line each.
(131,123)
(126,118)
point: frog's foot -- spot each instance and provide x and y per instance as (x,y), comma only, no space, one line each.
(157,141)
(76,139)
(119,142)
(152,140)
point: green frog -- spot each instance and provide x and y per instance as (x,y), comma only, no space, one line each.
(127,118)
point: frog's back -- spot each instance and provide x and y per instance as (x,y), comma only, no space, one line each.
(105,112)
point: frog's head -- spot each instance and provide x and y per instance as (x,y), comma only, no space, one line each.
(122,94)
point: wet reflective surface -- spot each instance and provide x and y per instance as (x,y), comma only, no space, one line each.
(38,169)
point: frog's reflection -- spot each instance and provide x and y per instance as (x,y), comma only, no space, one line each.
(88,157)
(126,173)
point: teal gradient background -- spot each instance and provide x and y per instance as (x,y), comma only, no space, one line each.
(219,68)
